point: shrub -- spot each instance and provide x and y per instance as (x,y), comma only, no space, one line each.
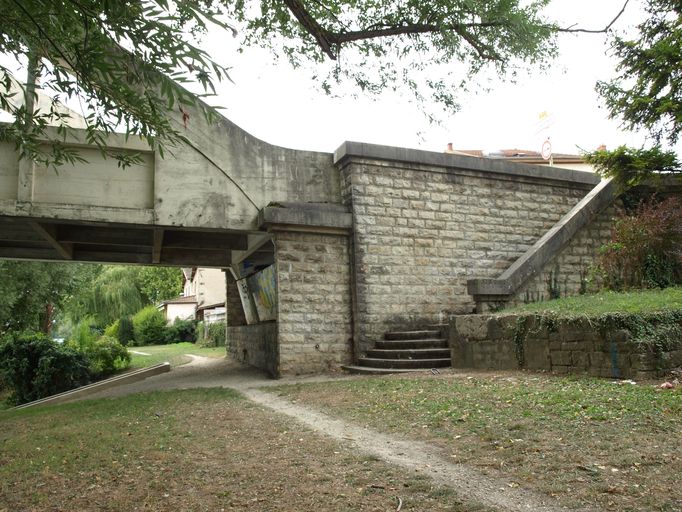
(645,248)
(112,330)
(84,334)
(213,335)
(34,366)
(104,353)
(126,334)
(182,330)
(149,326)
(105,356)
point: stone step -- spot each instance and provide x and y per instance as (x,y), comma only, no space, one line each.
(410,344)
(437,327)
(375,362)
(411,335)
(367,370)
(414,353)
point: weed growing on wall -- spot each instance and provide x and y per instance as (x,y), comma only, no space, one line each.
(652,332)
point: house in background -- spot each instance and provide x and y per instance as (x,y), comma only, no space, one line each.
(206,286)
(184,308)
(525,156)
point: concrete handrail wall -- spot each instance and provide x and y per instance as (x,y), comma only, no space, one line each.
(95,387)
(528,265)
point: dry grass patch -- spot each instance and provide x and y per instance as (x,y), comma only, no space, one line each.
(584,441)
(191,450)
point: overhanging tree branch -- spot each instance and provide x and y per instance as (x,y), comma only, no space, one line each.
(599,31)
(327,39)
(321,35)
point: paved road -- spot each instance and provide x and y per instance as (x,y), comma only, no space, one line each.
(206,372)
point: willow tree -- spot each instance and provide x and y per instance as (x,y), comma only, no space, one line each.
(120,291)
(127,60)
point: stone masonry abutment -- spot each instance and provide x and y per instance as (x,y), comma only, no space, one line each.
(425,223)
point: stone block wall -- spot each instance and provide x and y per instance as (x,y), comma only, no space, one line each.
(568,272)
(577,346)
(234,310)
(314,301)
(255,345)
(421,231)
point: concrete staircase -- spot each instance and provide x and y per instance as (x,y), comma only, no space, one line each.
(406,351)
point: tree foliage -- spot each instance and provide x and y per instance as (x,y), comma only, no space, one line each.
(149,325)
(33,293)
(124,59)
(383,45)
(34,366)
(127,60)
(647,92)
(630,167)
(114,293)
(120,291)
(159,283)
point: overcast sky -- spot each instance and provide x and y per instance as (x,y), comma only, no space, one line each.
(282,106)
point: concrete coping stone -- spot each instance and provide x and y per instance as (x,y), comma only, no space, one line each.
(350,150)
(306,215)
(546,248)
(95,387)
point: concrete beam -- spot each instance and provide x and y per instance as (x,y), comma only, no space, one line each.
(24,253)
(105,235)
(194,258)
(169,257)
(175,239)
(158,244)
(320,218)
(77,213)
(49,233)
(112,257)
(17,234)
(254,242)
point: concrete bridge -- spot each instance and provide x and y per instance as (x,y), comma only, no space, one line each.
(365,240)
(195,207)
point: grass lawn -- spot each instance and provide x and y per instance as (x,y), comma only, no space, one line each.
(192,450)
(175,354)
(617,446)
(640,301)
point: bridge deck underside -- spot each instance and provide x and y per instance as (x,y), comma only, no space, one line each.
(23,238)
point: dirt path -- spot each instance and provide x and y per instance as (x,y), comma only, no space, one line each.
(411,455)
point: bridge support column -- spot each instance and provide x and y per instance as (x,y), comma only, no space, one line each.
(234,311)
(312,265)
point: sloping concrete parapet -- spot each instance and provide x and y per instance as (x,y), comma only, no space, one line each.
(310,217)
(528,265)
(91,389)
(350,151)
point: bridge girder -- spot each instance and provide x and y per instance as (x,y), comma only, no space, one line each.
(51,240)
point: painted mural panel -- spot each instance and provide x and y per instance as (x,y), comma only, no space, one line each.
(249,312)
(263,289)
